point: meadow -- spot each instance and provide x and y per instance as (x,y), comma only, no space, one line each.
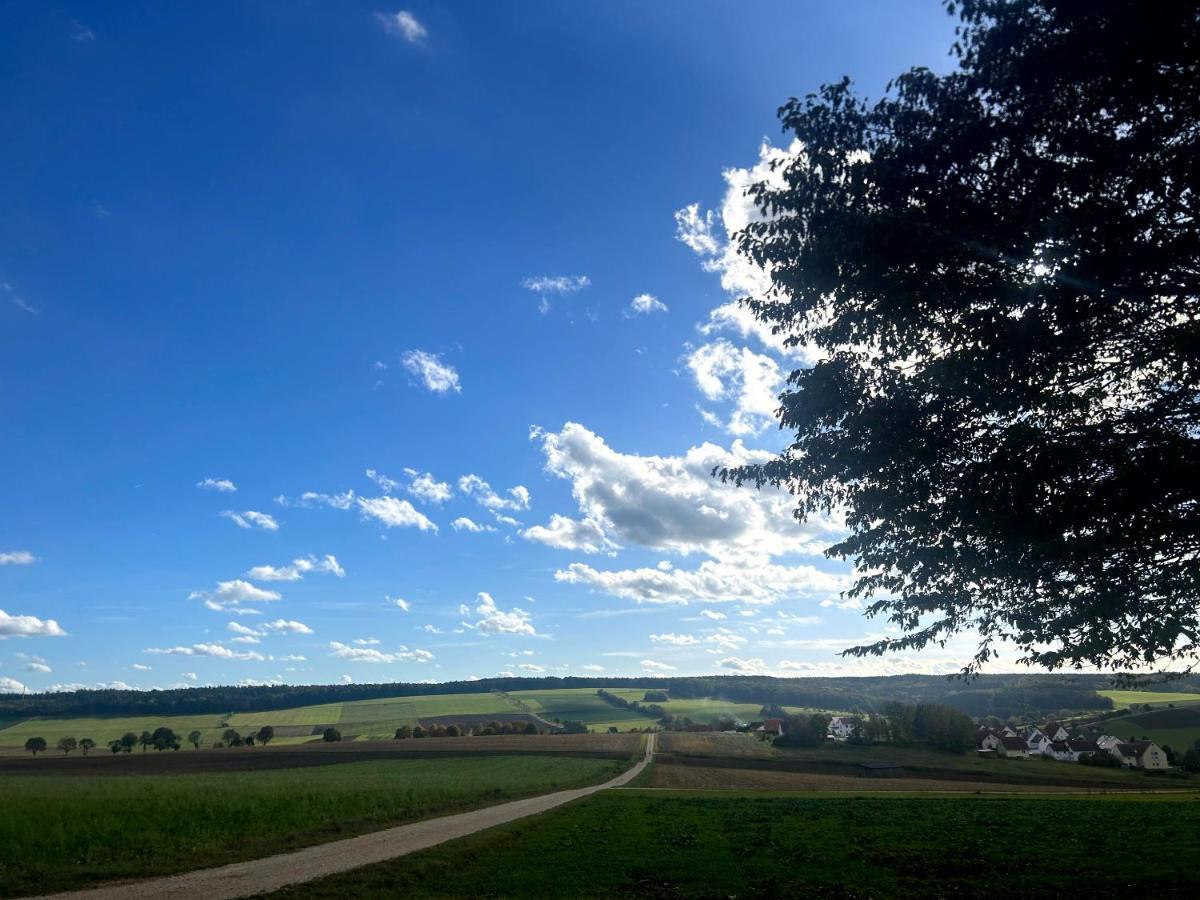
(60,833)
(663,844)
(1123,699)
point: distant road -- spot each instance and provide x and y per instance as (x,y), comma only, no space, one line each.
(274,872)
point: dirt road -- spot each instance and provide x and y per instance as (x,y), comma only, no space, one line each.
(262,875)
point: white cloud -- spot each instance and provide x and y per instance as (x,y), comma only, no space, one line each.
(744,666)
(712,581)
(532,667)
(565,533)
(239,628)
(399,604)
(387,485)
(17,558)
(673,502)
(346,679)
(190,676)
(341,501)
(251,519)
(245,639)
(473,486)
(233,593)
(675,640)
(394,513)
(431,629)
(367,642)
(726,640)
(37,666)
(223,485)
(750,382)
(592,667)
(436,375)
(368,655)
(139,667)
(462,523)
(644,304)
(712,614)
(426,488)
(493,620)
(402,24)
(28,626)
(546,285)
(11,686)
(289,626)
(297,570)
(215,650)
(651,665)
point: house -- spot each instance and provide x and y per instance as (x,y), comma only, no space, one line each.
(879,770)
(1013,748)
(1070,750)
(1036,740)
(771,726)
(989,741)
(842,728)
(1141,755)
(1106,742)
(1056,731)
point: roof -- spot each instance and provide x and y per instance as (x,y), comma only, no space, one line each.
(1014,743)
(1135,748)
(1081,745)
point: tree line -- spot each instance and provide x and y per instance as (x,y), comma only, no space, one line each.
(994,695)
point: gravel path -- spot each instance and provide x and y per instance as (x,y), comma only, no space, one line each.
(263,875)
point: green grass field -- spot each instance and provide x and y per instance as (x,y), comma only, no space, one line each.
(659,844)
(59,833)
(704,710)
(361,719)
(1123,699)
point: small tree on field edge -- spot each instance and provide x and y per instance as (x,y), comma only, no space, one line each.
(67,744)
(35,745)
(265,734)
(86,744)
(194,739)
(331,735)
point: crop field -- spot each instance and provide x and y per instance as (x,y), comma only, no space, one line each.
(661,844)
(1177,727)
(580,704)
(62,833)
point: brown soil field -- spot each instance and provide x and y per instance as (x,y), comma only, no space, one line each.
(722,779)
(738,746)
(479,720)
(247,759)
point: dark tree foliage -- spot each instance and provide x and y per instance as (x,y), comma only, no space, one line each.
(1000,269)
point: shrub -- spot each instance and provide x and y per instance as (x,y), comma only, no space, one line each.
(331,735)
(403,733)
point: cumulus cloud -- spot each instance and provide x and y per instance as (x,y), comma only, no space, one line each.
(744,666)
(473,486)
(298,569)
(11,686)
(140,668)
(288,626)
(585,535)
(394,513)
(644,305)
(651,665)
(224,485)
(711,581)
(493,620)
(37,665)
(462,523)
(229,595)
(218,651)
(400,604)
(402,24)
(428,368)
(592,667)
(712,614)
(371,655)
(251,519)
(426,488)
(546,285)
(749,382)
(28,626)
(673,503)
(17,558)
(675,640)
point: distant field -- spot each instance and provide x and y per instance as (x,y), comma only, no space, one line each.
(1178,728)
(1122,699)
(580,704)
(662,844)
(63,833)
(703,711)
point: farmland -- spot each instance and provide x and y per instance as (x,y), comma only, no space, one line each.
(58,833)
(1155,698)
(658,843)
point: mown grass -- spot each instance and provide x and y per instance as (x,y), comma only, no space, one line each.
(59,833)
(657,844)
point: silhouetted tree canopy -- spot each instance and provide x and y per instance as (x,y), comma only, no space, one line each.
(998,271)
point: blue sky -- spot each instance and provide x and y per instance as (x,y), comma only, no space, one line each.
(476,249)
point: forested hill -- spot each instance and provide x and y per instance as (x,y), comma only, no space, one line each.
(999,695)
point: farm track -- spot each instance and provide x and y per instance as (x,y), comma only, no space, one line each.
(252,759)
(262,876)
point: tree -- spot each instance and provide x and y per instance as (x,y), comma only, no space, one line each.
(944,727)
(164,739)
(248,740)
(231,738)
(331,735)
(86,744)
(998,272)
(403,733)
(115,747)
(67,744)
(146,739)
(531,728)
(35,745)
(265,735)
(574,726)
(194,738)
(453,731)
(128,741)
(655,697)
(418,731)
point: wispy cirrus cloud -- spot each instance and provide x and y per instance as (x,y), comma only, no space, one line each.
(223,485)
(17,558)
(250,519)
(546,286)
(402,24)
